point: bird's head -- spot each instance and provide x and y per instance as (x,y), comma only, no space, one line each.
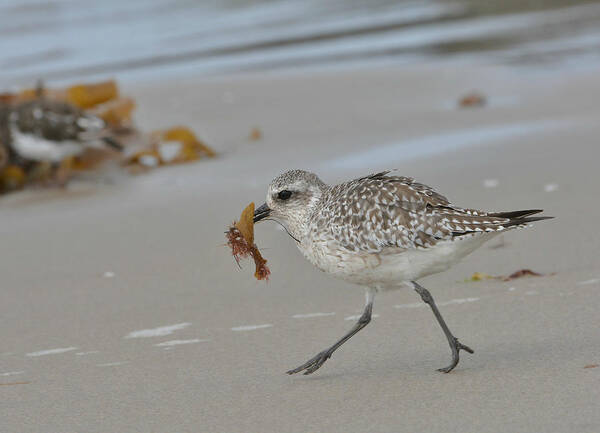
(291,199)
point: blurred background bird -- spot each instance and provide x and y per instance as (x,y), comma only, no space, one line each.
(49,133)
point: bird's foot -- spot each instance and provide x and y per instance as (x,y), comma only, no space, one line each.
(312,364)
(456,347)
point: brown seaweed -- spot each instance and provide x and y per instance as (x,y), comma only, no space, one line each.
(240,238)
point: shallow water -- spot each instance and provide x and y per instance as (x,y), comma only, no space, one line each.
(67,39)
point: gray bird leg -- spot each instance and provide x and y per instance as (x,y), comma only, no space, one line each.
(455,345)
(315,363)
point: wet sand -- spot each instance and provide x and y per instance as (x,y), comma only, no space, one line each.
(122,311)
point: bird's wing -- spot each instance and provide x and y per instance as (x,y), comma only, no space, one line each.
(381,211)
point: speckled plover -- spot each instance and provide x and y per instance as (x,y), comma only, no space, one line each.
(381,232)
(46,130)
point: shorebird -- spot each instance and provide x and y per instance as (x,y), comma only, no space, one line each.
(45,130)
(381,232)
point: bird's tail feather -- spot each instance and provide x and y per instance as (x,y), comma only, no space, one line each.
(505,220)
(516,213)
(525,220)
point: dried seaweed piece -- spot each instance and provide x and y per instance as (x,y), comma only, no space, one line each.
(521,273)
(93,158)
(479,276)
(472,100)
(7,98)
(240,238)
(116,113)
(12,177)
(262,271)
(172,146)
(90,95)
(148,158)
(81,95)
(191,144)
(246,223)
(255,134)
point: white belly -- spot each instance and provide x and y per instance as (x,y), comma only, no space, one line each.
(391,268)
(36,148)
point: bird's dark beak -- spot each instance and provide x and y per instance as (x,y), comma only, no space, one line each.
(261,212)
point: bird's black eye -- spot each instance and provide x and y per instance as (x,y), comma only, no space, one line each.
(284,195)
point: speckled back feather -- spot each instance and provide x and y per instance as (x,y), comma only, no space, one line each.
(55,120)
(382,211)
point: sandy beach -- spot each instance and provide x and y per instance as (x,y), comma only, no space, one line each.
(121,309)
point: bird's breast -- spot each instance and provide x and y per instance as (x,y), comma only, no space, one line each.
(331,258)
(391,267)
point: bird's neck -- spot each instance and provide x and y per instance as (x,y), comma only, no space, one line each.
(299,227)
